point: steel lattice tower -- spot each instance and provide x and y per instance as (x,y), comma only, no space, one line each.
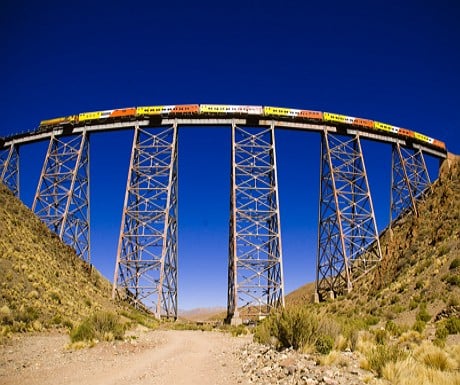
(9,168)
(255,275)
(146,267)
(348,242)
(62,197)
(409,180)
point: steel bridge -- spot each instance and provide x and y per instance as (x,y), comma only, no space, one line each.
(147,257)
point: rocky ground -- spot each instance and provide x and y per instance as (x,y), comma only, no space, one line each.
(168,357)
(263,365)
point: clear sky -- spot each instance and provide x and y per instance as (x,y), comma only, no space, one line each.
(392,61)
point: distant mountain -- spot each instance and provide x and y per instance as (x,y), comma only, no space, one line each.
(203,314)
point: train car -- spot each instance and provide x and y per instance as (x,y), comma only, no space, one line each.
(386,127)
(281,112)
(406,132)
(345,119)
(149,110)
(230,109)
(312,115)
(292,113)
(439,144)
(185,109)
(173,110)
(118,113)
(63,120)
(423,138)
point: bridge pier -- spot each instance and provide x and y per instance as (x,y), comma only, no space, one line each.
(409,180)
(9,168)
(255,275)
(348,242)
(62,197)
(146,265)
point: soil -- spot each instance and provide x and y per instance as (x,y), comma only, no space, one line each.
(150,357)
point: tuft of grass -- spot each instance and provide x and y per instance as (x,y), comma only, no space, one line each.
(454,264)
(104,326)
(453,325)
(423,314)
(381,355)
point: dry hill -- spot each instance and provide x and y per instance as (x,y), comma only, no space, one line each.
(42,282)
(421,260)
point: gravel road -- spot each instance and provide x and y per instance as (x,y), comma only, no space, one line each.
(154,357)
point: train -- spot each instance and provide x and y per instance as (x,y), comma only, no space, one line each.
(237,111)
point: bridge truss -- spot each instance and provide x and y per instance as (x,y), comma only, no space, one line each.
(147,256)
(62,197)
(146,266)
(348,241)
(409,180)
(255,274)
(9,168)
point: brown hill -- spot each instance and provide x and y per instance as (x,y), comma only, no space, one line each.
(42,282)
(421,260)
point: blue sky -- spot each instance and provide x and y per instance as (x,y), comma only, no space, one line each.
(392,61)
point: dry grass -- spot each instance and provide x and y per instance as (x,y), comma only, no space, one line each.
(43,282)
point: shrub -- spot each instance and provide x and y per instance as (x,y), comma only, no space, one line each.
(381,336)
(419,326)
(324,344)
(454,264)
(100,326)
(393,328)
(441,331)
(423,314)
(453,325)
(380,355)
(452,279)
(291,327)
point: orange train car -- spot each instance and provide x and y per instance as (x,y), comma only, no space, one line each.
(122,112)
(406,132)
(185,109)
(314,115)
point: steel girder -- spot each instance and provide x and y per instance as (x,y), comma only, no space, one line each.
(255,274)
(62,197)
(409,180)
(9,168)
(348,241)
(146,266)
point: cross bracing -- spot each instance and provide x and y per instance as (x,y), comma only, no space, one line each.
(348,243)
(255,262)
(409,180)
(9,168)
(62,197)
(148,276)
(146,267)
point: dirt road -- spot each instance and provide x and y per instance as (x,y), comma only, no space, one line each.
(159,357)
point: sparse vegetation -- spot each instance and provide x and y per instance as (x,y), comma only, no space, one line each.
(418,279)
(102,326)
(43,283)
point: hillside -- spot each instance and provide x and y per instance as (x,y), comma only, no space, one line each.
(421,261)
(43,283)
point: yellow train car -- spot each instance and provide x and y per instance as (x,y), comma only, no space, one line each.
(149,110)
(423,138)
(281,112)
(85,116)
(337,118)
(386,127)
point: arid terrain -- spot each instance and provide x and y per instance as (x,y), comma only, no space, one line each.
(152,357)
